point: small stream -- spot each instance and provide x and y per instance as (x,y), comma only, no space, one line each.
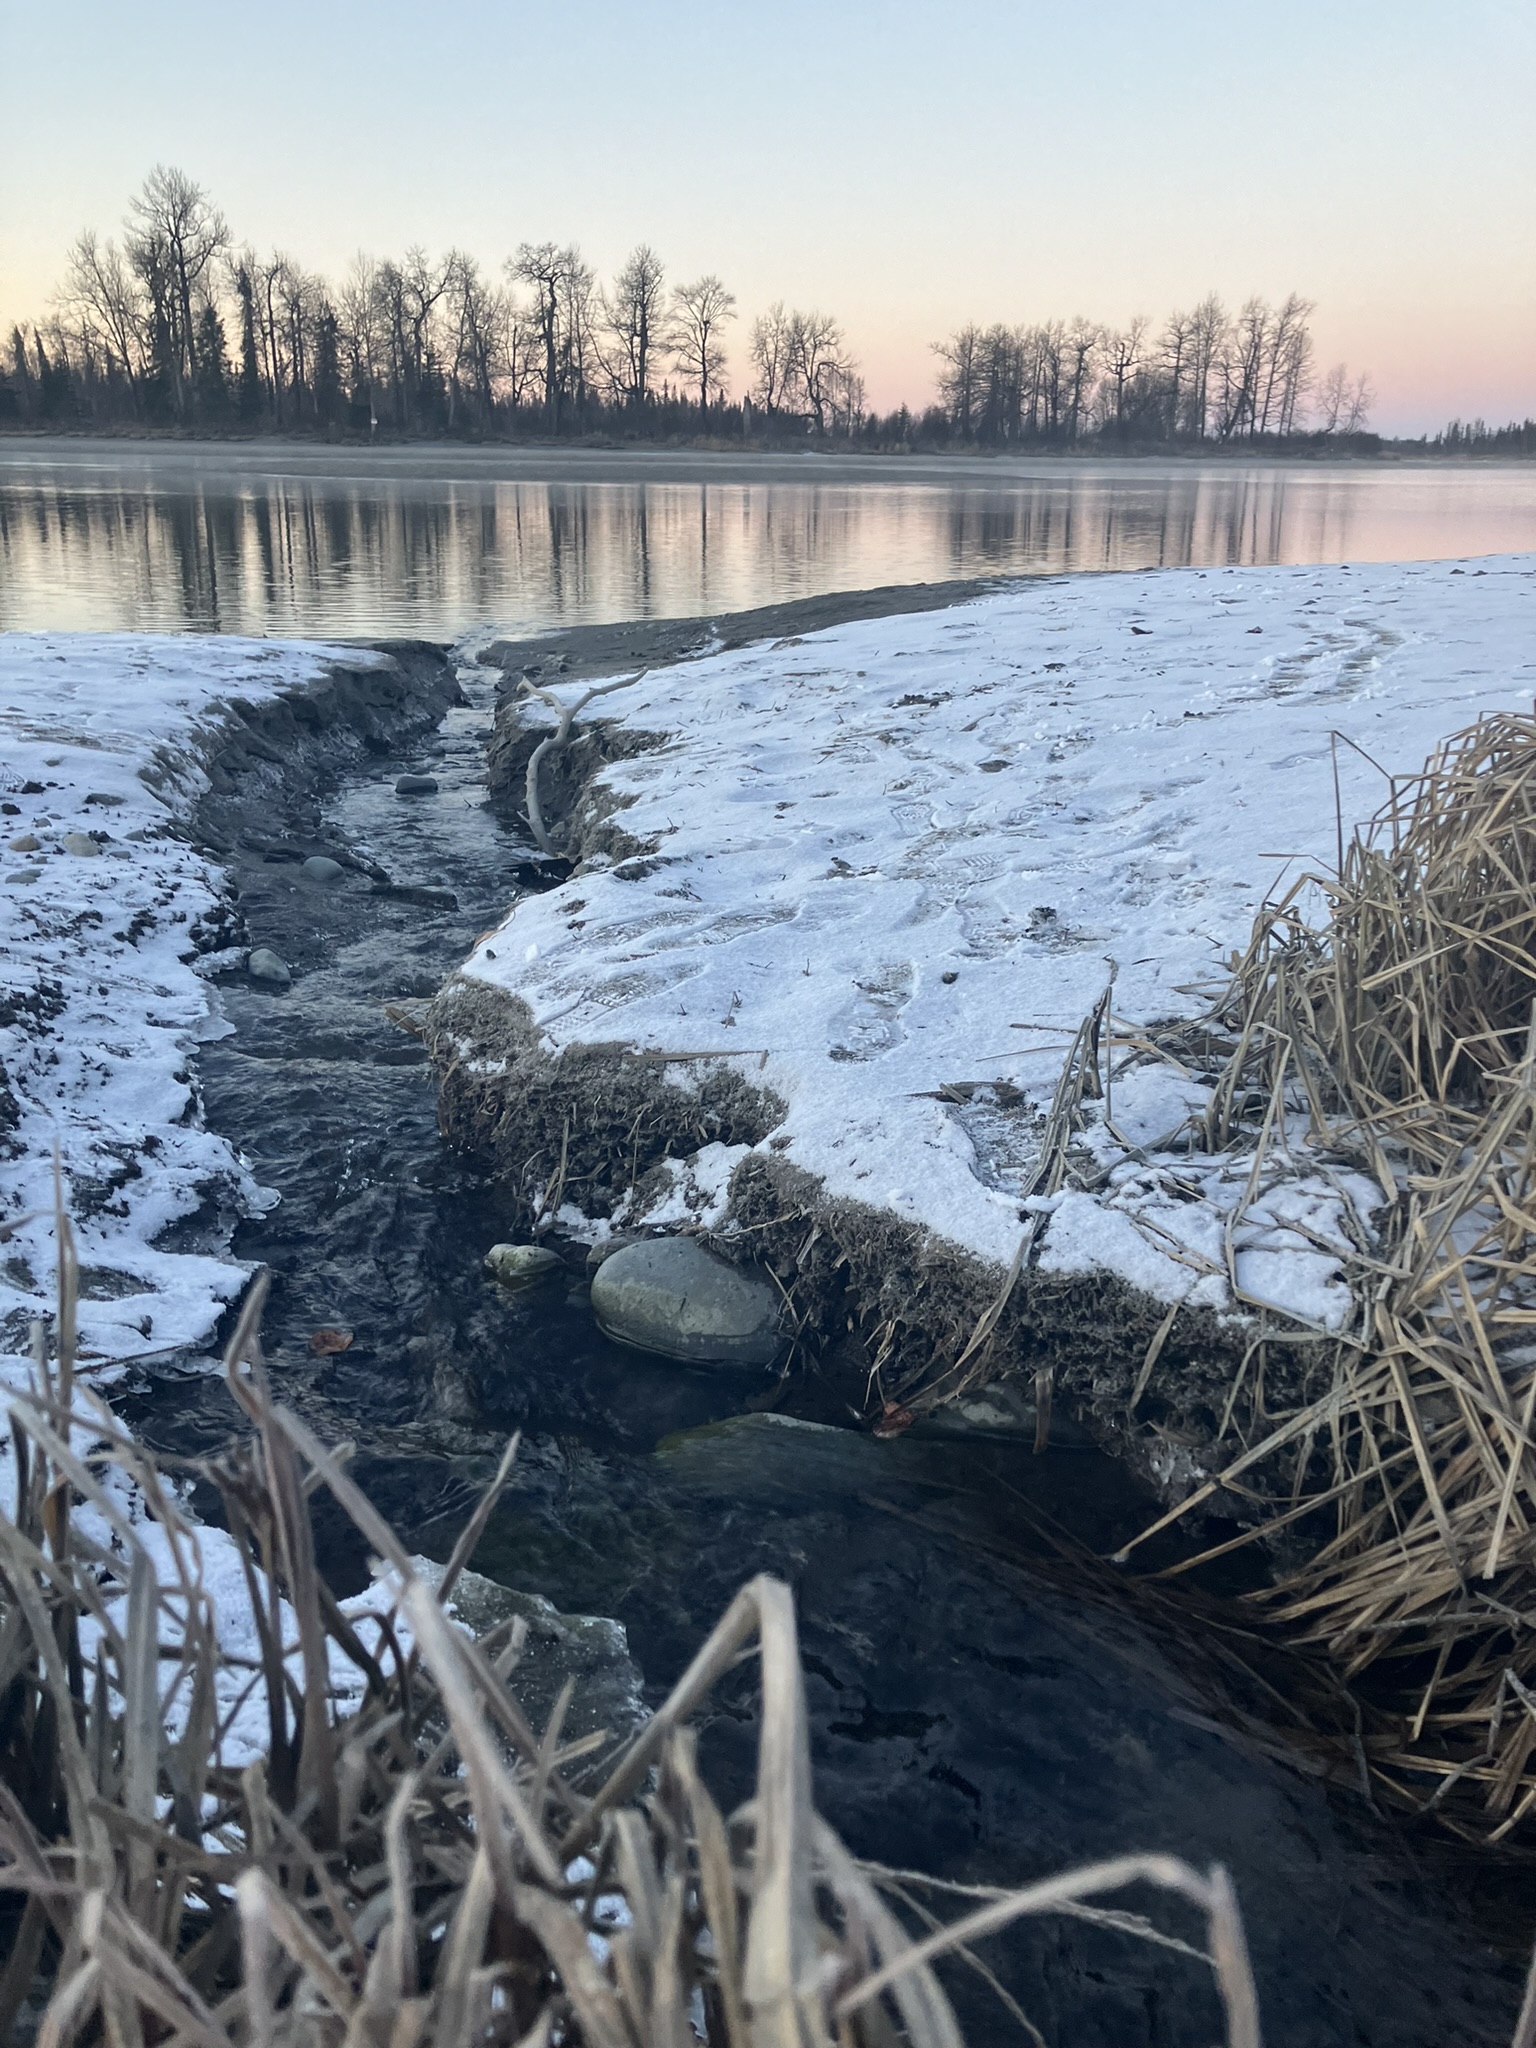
(983,1707)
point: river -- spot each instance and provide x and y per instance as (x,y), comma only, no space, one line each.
(442,541)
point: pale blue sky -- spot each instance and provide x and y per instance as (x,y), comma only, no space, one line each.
(906,165)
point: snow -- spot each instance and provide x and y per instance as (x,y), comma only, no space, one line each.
(904,856)
(102,740)
(201,1566)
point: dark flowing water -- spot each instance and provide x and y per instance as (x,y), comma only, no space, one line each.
(439,541)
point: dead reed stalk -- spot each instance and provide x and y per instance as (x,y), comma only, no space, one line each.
(410,1865)
(1398,1031)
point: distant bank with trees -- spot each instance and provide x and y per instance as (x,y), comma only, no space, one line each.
(176,327)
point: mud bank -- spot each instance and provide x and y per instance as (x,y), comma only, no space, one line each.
(606,1134)
(283,748)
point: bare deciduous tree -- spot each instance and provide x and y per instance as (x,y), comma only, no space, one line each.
(770,350)
(699,312)
(563,308)
(1344,402)
(804,369)
(634,317)
(960,378)
(105,297)
(1123,349)
(174,235)
(819,363)
(477,316)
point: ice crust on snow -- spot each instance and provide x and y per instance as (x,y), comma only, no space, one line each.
(899,856)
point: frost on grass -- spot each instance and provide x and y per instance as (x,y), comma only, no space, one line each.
(897,863)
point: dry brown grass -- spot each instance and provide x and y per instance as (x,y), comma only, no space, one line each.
(1400,1027)
(424,1868)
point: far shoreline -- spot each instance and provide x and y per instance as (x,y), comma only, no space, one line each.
(538,458)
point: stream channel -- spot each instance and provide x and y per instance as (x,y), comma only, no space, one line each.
(987,1705)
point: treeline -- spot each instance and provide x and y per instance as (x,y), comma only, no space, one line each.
(1204,375)
(1476,437)
(175,325)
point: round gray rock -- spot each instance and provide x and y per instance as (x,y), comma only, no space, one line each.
(416,785)
(669,1295)
(321,868)
(264,965)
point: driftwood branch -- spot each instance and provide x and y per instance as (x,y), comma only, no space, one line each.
(553,742)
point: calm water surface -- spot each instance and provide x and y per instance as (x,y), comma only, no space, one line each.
(443,541)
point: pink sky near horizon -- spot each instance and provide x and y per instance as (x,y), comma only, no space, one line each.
(905,165)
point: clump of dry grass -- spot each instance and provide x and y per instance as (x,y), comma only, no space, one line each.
(1400,1027)
(424,1867)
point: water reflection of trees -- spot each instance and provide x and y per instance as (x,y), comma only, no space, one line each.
(299,555)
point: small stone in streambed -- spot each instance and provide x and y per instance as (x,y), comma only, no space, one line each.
(264,965)
(81,844)
(20,875)
(670,1296)
(415,892)
(521,1265)
(416,785)
(321,868)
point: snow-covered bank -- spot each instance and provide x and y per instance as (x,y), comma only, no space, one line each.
(896,859)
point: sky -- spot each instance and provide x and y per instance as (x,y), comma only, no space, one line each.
(907,165)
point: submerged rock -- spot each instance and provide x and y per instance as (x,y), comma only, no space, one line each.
(520,1265)
(264,965)
(587,1647)
(416,785)
(321,868)
(430,898)
(669,1295)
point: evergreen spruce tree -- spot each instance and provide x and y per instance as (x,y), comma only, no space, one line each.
(327,369)
(55,385)
(161,377)
(210,356)
(21,373)
(249,394)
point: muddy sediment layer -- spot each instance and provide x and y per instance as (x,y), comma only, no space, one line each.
(864,1287)
(305,737)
